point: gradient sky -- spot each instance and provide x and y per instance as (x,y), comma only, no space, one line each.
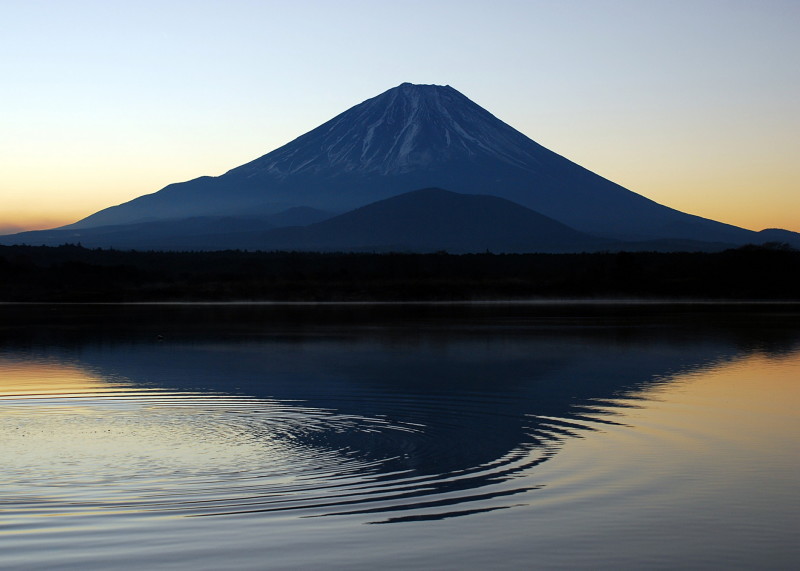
(692,103)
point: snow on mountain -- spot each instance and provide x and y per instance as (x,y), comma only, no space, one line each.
(406,128)
(412,137)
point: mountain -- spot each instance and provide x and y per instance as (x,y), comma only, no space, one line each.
(776,235)
(425,220)
(185,233)
(428,220)
(407,138)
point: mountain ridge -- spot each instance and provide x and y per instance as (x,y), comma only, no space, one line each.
(425,220)
(414,111)
(434,219)
(412,137)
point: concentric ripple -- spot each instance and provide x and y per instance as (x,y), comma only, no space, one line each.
(145,451)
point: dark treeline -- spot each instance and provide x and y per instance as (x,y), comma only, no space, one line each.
(72,273)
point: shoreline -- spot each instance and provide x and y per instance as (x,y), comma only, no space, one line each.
(73,274)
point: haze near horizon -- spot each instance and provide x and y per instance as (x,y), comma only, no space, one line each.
(689,104)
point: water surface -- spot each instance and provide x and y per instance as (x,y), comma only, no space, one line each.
(363,436)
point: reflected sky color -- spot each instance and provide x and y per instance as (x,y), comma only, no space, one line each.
(690,103)
(33,379)
(46,415)
(704,453)
(492,435)
(744,409)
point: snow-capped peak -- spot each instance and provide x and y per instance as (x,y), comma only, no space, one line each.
(405,128)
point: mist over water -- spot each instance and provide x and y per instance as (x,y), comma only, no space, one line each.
(442,436)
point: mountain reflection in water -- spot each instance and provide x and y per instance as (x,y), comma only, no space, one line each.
(371,414)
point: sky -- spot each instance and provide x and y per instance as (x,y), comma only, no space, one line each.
(692,103)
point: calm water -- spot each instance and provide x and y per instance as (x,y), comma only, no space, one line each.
(432,436)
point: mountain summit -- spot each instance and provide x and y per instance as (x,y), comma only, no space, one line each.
(404,129)
(408,138)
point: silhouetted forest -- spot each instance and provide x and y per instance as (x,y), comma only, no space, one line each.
(71,273)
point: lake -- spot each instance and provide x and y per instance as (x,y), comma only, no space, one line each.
(394,436)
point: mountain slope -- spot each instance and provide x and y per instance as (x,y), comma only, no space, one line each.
(433,219)
(184,233)
(780,236)
(425,220)
(411,137)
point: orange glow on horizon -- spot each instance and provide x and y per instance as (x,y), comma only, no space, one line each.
(738,213)
(27,224)
(742,194)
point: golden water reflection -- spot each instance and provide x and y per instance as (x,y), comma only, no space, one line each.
(64,428)
(33,378)
(723,436)
(68,434)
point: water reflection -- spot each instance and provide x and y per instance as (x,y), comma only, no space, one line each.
(150,449)
(487,436)
(388,414)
